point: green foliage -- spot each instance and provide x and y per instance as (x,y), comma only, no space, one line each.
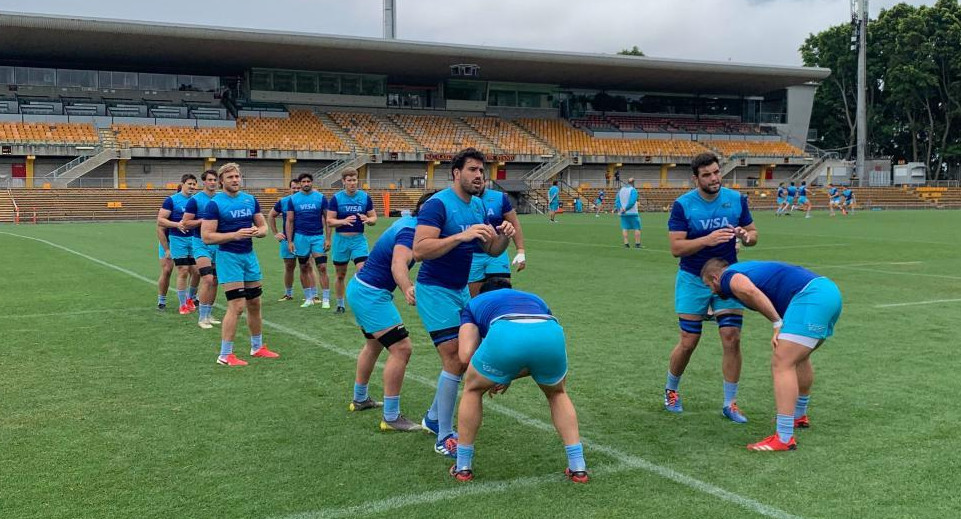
(633,51)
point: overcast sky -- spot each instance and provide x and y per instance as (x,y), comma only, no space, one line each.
(749,31)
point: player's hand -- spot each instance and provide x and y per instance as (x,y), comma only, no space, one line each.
(774,339)
(520,261)
(290,246)
(326,245)
(351,220)
(410,295)
(182,228)
(722,235)
(499,389)
(480,231)
(742,233)
(166,254)
(506,228)
(280,236)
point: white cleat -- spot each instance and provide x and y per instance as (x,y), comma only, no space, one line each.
(326,304)
(204,324)
(213,320)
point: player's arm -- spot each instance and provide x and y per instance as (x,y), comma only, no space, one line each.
(272,224)
(164,242)
(468,340)
(163,219)
(190,221)
(747,234)
(521,258)
(497,245)
(682,246)
(400,271)
(261,224)
(748,293)
(370,218)
(210,236)
(333,221)
(289,227)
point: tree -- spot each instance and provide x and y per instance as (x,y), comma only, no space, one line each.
(633,51)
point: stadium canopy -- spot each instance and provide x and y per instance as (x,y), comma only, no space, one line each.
(89,43)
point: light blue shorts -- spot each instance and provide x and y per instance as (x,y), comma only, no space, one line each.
(790,200)
(181,246)
(836,201)
(692,296)
(439,309)
(631,222)
(780,200)
(233,267)
(554,206)
(814,310)
(483,265)
(305,245)
(343,249)
(285,251)
(802,200)
(202,250)
(373,308)
(160,250)
(511,346)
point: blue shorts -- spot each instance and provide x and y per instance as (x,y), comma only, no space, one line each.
(343,249)
(780,200)
(554,206)
(836,201)
(285,251)
(631,222)
(790,200)
(802,200)
(511,346)
(305,245)
(848,201)
(483,265)
(202,250)
(439,309)
(813,311)
(234,267)
(373,308)
(160,250)
(181,246)
(692,296)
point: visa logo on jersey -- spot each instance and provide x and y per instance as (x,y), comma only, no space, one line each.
(304,207)
(241,213)
(711,224)
(353,209)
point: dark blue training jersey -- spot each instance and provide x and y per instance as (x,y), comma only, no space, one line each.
(308,212)
(376,271)
(176,203)
(486,308)
(346,205)
(447,212)
(698,217)
(232,214)
(780,282)
(197,206)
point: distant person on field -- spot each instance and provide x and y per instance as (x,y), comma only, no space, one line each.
(305,229)
(792,196)
(349,213)
(166,267)
(205,255)
(289,258)
(848,204)
(782,203)
(553,201)
(598,203)
(802,199)
(626,205)
(181,242)
(834,198)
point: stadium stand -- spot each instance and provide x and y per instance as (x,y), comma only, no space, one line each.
(48,133)
(754,148)
(507,136)
(440,134)
(566,138)
(372,131)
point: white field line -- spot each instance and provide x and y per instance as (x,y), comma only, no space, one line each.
(70,314)
(627,459)
(898,273)
(931,302)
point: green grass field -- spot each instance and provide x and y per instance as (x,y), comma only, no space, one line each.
(111,409)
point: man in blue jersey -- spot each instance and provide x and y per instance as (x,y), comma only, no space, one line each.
(370,293)
(306,223)
(553,201)
(181,240)
(349,212)
(847,205)
(782,204)
(834,198)
(232,220)
(598,203)
(205,255)
(166,267)
(803,307)
(626,205)
(791,197)
(802,199)
(507,334)
(451,226)
(497,207)
(705,223)
(289,258)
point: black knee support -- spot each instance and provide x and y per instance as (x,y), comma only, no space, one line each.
(393,336)
(208,271)
(303,259)
(360,260)
(184,262)
(236,293)
(253,293)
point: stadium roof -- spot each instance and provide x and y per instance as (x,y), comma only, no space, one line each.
(74,42)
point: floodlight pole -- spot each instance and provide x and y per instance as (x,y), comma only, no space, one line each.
(862,109)
(390,20)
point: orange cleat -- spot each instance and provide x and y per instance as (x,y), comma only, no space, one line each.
(577,476)
(190,305)
(461,475)
(230,360)
(802,422)
(772,443)
(184,310)
(264,353)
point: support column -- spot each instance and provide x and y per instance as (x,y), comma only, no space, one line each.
(288,170)
(762,176)
(208,163)
(363,177)
(120,179)
(28,181)
(664,169)
(609,175)
(430,174)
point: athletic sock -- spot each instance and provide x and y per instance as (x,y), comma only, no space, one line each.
(326,294)
(204,311)
(256,342)
(226,348)
(192,292)
(360,392)
(289,291)
(465,457)
(785,427)
(730,392)
(182,296)
(340,302)
(575,457)
(162,300)
(391,407)
(801,406)
(432,412)
(307,292)
(447,385)
(673,381)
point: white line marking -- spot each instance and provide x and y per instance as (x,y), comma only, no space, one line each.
(69,314)
(633,461)
(602,245)
(931,302)
(762,248)
(898,273)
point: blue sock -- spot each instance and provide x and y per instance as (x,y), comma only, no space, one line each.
(432,412)
(447,385)
(730,392)
(182,296)
(465,457)
(340,301)
(256,342)
(785,427)
(192,292)
(289,291)
(326,294)
(575,457)
(204,312)
(360,392)
(391,407)
(162,300)
(672,381)
(801,406)
(307,295)
(226,348)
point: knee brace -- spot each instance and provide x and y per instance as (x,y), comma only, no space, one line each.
(253,293)
(303,259)
(236,293)
(690,326)
(208,271)
(367,335)
(393,336)
(730,320)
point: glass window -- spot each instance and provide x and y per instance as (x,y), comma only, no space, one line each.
(350,85)
(283,81)
(158,82)
(306,83)
(36,76)
(206,83)
(467,90)
(8,76)
(260,80)
(529,99)
(77,78)
(329,83)
(503,98)
(118,80)
(373,86)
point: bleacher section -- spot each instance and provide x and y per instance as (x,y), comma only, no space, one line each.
(371,131)
(506,136)
(439,134)
(566,138)
(301,131)
(666,124)
(48,133)
(754,148)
